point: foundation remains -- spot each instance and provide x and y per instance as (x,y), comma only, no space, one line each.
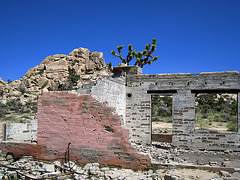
(104,119)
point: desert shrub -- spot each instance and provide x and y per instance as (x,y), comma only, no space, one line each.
(24,110)
(202,123)
(34,107)
(223,116)
(73,77)
(234,107)
(2,110)
(14,105)
(2,105)
(30,106)
(205,102)
(22,89)
(161,107)
(163,111)
(213,107)
(232,127)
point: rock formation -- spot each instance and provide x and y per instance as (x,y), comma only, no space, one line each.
(57,72)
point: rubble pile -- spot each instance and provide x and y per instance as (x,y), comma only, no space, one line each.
(166,154)
(27,168)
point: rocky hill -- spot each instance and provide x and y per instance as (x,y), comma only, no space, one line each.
(18,99)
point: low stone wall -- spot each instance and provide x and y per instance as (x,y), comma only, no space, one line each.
(21,132)
(92,128)
(162,138)
(208,140)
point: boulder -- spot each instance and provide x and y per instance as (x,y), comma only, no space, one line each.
(42,82)
(90,67)
(16,93)
(53,74)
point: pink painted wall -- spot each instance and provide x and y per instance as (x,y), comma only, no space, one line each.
(95,132)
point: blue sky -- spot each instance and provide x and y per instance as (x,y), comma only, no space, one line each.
(193,36)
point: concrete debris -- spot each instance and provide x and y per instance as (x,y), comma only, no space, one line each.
(165,154)
(28,168)
(225,173)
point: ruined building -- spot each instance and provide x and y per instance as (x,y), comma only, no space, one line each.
(102,120)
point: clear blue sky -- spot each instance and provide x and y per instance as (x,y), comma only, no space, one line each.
(193,35)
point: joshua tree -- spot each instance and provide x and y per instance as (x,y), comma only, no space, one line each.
(142,57)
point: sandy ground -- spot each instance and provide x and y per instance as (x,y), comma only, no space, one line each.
(215,126)
(189,174)
(161,125)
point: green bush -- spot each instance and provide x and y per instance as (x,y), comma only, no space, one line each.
(232,127)
(162,108)
(73,78)
(202,123)
(214,108)
(22,89)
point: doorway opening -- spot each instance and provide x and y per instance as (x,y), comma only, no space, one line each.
(161,116)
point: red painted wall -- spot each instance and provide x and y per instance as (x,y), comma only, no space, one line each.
(94,130)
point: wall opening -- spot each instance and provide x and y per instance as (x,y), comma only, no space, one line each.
(161,116)
(217,111)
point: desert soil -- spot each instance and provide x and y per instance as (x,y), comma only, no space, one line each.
(215,126)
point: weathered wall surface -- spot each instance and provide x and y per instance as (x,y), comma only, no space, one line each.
(110,90)
(94,130)
(134,103)
(185,135)
(183,87)
(138,113)
(21,132)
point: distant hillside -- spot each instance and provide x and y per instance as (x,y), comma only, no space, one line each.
(18,99)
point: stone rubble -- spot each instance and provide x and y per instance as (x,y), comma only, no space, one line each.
(28,168)
(166,154)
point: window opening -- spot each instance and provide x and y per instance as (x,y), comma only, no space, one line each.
(217,111)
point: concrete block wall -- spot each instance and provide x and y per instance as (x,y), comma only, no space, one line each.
(187,81)
(183,115)
(186,136)
(131,98)
(238,113)
(121,71)
(208,140)
(130,95)
(21,132)
(183,88)
(110,90)
(93,129)
(138,113)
